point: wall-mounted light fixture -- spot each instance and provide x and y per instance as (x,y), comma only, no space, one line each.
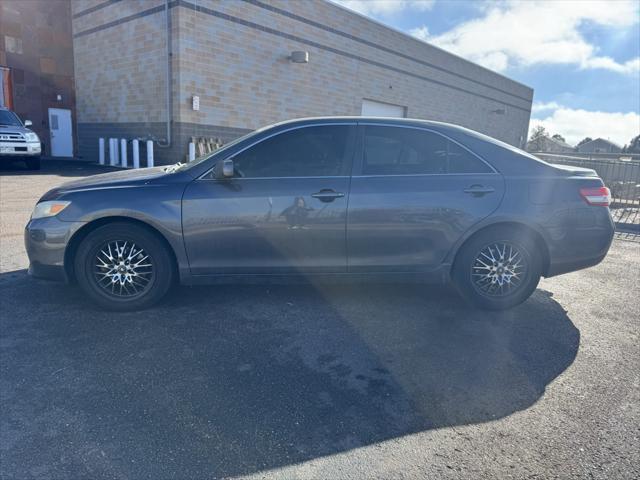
(59,97)
(299,56)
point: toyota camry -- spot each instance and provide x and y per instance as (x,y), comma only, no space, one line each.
(327,199)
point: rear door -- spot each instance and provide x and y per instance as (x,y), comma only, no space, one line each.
(413,194)
(284,211)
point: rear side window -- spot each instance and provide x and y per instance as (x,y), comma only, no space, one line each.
(463,161)
(409,151)
(304,152)
(403,151)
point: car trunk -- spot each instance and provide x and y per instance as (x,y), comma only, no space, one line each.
(572,171)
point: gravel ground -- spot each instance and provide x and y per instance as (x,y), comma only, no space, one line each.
(319,381)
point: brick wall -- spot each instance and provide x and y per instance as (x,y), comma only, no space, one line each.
(233,55)
(36,44)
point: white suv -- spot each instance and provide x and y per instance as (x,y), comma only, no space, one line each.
(18,142)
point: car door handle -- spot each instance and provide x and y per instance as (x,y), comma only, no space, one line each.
(327,195)
(479,190)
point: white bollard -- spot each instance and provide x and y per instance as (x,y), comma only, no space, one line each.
(123,152)
(192,151)
(112,154)
(136,153)
(101,151)
(116,151)
(149,153)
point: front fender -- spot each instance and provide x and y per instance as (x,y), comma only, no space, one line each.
(157,206)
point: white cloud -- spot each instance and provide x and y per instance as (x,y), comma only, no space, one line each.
(542,106)
(421,33)
(518,33)
(576,124)
(608,63)
(385,7)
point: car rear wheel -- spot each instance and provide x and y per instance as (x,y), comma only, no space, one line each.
(498,269)
(123,267)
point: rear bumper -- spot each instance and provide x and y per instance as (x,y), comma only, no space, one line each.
(584,242)
(46,241)
(558,268)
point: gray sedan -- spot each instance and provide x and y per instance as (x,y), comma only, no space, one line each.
(327,199)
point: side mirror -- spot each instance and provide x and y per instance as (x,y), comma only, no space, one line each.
(28,123)
(224,169)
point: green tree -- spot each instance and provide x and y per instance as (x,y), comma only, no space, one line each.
(557,136)
(634,145)
(584,140)
(536,140)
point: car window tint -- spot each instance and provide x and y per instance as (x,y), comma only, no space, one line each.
(410,151)
(403,151)
(304,152)
(463,161)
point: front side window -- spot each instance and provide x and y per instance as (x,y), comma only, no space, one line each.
(304,152)
(410,151)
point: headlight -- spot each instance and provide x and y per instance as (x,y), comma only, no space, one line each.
(49,209)
(31,137)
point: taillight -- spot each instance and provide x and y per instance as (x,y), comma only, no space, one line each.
(600,196)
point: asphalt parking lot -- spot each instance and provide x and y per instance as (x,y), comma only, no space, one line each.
(321,381)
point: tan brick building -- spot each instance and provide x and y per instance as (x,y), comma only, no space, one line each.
(234,55)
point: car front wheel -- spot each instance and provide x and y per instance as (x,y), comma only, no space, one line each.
(122,267)
(498,269)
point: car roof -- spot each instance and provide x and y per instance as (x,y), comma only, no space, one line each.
(363,119)
(442,127)
(455,131)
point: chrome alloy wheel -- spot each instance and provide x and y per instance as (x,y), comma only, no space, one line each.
(123,269)
(499,269)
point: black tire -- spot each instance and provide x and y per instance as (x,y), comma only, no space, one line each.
(33,163)
(495,287)
(144,287)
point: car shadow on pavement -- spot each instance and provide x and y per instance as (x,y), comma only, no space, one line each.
(229,380)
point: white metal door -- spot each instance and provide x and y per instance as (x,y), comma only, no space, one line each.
(371,108)
(61,134)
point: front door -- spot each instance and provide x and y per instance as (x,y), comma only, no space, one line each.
(284,211)
(413,195)
(61,132)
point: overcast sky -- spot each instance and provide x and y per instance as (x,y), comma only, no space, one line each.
(581,57)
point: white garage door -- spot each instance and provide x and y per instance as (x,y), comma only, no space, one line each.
(380,109)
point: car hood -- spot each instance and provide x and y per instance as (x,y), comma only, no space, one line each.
(115,178)
(7,129)
(118,179)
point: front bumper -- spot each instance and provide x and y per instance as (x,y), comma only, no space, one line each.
(46,241)
(17,150)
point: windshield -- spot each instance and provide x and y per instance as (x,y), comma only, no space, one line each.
(199,160)
(9,118)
